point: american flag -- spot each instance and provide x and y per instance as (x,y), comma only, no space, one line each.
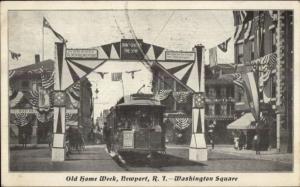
(163,94)
(47,80)
(183,123)
(117,76)
(21,119)
(238,80)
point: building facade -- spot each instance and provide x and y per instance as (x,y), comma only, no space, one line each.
(219,102)
(31,103)
(266,49)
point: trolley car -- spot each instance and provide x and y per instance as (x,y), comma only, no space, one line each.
(136,124)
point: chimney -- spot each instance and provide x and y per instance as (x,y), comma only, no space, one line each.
(37,58)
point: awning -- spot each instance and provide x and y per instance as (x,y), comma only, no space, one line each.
(244,122)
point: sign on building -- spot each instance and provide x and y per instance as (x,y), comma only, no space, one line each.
(131,49)
(180,55)
(82,53)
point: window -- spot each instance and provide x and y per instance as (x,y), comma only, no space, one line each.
(224,109)
(252,49)
(240,52)
(273,40)
(211,93)
(223,93)
(273,86)
(211,109)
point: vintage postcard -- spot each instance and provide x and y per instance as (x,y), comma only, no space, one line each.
(149,93)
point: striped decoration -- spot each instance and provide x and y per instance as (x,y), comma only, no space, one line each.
(182,123)
(47,80)
(21,119)
(15,98)
(181,97)
(238,80)
(44,117)
(34,99)
(11,73)
(163,94)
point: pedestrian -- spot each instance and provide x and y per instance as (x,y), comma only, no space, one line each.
(256,143)
(242,140)
(236,140)
(211,134)
(24,140)
(49,139)
(107,136)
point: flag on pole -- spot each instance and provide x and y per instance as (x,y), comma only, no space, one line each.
(238,80)
(14,55)
(46,24)
(224,46)
(116,76)
(252,93)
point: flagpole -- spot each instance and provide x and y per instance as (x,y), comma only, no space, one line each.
(43,41)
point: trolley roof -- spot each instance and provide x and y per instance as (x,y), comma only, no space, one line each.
(142,102)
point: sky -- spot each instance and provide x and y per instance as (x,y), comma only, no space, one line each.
(178,30)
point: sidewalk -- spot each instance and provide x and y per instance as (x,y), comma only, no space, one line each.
(271,155)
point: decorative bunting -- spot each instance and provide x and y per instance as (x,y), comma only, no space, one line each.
(21,119)
(117,76)
(102,74)
(107,49)
(163,94)
(198,99)
(16,99)
(182,123)
(178,68)
(46,24)
(224,45)
(117,46)
(14,55)
(157,51)
(181,97)
(132,72)
(11,73)
(59,98)
(47,81)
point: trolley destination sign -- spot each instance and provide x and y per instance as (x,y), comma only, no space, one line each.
(130,49)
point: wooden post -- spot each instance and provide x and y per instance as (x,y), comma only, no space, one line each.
(59,100)
(198,149)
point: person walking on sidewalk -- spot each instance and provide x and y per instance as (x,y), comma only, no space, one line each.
(256,143)
(211,134)
(242,140)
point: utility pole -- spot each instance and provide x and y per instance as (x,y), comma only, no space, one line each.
(280,48)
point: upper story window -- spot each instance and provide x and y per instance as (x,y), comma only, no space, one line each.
(252,49)
(240,53)
(273,40)
(223,92)
(211,93)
